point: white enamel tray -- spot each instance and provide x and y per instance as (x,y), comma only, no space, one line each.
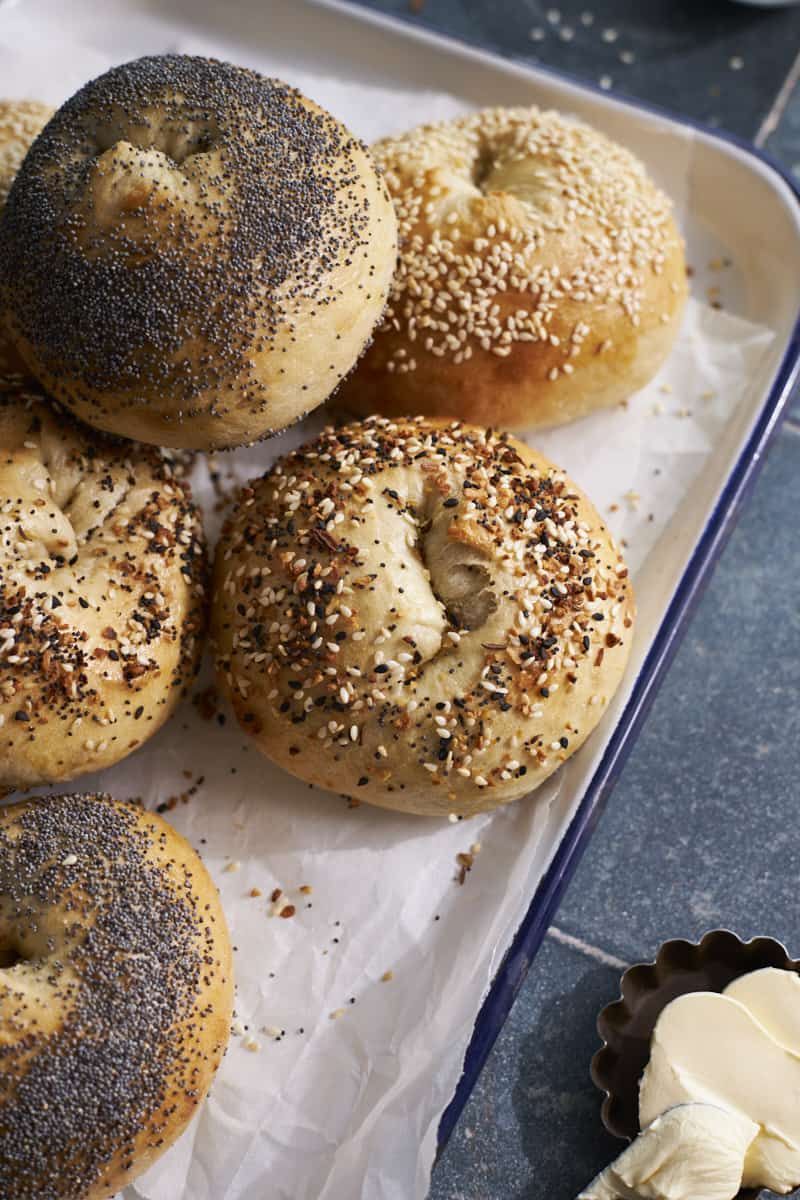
(735,205)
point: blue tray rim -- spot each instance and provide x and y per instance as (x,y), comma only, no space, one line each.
(510,975)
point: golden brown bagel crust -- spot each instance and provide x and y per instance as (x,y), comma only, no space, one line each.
(426,616)
(195,255)
(116,993)
(102,571)
(20,122)
(541,275)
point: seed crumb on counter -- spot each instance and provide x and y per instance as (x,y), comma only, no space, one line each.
(207,702)
(466,862)
(387,976)
(279,903)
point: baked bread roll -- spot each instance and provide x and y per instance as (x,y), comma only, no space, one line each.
(101,593)
(195,255)
(427,616)
(116,990)
(20,122)
(541,275)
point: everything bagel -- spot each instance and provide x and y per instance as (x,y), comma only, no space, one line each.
(426,616)
(102,569)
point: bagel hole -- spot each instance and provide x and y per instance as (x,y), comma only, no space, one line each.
(482,169)
(178,143)
(183,144)
(476,601)
(10,955)
(459,580)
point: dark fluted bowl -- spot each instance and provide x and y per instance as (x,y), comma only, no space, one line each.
(626,1025)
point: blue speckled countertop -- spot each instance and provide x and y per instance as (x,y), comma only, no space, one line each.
(701,829)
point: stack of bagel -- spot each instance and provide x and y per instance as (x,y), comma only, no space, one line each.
(414,608)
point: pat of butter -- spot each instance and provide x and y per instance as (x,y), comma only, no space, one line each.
(692,1152)
(773,998)
(711,1048)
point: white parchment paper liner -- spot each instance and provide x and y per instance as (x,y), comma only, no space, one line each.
(350,1106)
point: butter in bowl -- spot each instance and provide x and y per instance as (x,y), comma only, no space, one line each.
(718,1024)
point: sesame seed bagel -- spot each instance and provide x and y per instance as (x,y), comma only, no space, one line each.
(541,275)
(194,255)
(116,992)
(101,593)
(20,122)
(427,616)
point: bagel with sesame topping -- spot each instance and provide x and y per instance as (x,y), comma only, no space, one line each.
(116,992)
(424,615)
(194,255)
(20,122)
(102,570)
(541,275)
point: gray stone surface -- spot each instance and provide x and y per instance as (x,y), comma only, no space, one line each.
(531,1128)
(711,60)
(700,830)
